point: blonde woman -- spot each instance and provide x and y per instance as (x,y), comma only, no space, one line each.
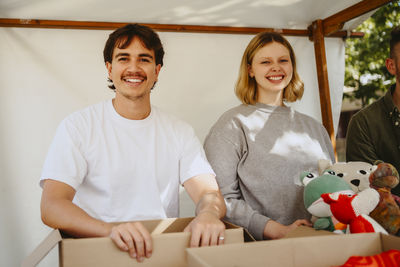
(259,148)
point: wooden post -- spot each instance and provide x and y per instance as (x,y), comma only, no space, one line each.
(323,84)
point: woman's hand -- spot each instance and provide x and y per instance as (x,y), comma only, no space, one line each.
(275,230)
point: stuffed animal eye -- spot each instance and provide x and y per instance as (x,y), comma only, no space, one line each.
(331,172)
(310,175)
(340,175)
(362,172)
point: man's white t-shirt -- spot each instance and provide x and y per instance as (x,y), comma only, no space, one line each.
(121,169)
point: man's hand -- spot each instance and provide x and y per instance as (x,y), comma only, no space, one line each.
(134,238)
(207,230)
(275,230)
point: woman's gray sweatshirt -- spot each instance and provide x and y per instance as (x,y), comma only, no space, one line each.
(258,153)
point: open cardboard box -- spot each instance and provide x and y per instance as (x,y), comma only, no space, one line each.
(318,249)
(169,243)
(304,231)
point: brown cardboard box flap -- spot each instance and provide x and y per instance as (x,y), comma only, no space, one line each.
(390,242)
(315,251)
(101,252)
(304,231)
(169,243)
(42,249)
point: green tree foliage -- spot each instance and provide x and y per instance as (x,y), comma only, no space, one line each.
(365,58)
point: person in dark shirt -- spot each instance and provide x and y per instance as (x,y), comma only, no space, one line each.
(374,132)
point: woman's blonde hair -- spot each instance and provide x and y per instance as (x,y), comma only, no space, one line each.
(246,87)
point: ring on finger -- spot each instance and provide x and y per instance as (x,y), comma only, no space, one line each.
(221,238)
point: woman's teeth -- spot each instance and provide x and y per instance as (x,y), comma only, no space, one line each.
(275,78)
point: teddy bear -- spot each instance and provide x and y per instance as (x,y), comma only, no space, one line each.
(387,212)
(355,173)
(314,187)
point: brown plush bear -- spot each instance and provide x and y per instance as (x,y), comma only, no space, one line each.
(387,212)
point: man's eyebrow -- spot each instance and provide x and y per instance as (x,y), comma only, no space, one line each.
(146,55)
(127,55)
(122,55)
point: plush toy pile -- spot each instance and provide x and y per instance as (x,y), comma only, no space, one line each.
(355,195)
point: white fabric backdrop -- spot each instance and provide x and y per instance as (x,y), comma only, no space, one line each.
(47,74)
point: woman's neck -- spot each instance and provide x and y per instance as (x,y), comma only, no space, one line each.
(270,98)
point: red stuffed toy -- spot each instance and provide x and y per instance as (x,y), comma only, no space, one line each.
(390,258)
(353,209)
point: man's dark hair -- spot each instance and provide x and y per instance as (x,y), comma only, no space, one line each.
(122,38)
(394,40)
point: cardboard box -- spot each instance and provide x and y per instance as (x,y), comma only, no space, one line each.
(305,231)
(169,243)
(318,251)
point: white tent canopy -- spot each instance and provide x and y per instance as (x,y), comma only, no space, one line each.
(292,14)
(49,73)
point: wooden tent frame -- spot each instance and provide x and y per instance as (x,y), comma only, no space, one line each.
(317,31)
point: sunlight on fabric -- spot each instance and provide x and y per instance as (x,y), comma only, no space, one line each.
(183,11)
(256,123)
(292,142)
(220,7)
(261,3)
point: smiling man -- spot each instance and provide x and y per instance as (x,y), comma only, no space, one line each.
(124,159)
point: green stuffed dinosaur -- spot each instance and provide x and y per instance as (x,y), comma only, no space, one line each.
(314,187)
